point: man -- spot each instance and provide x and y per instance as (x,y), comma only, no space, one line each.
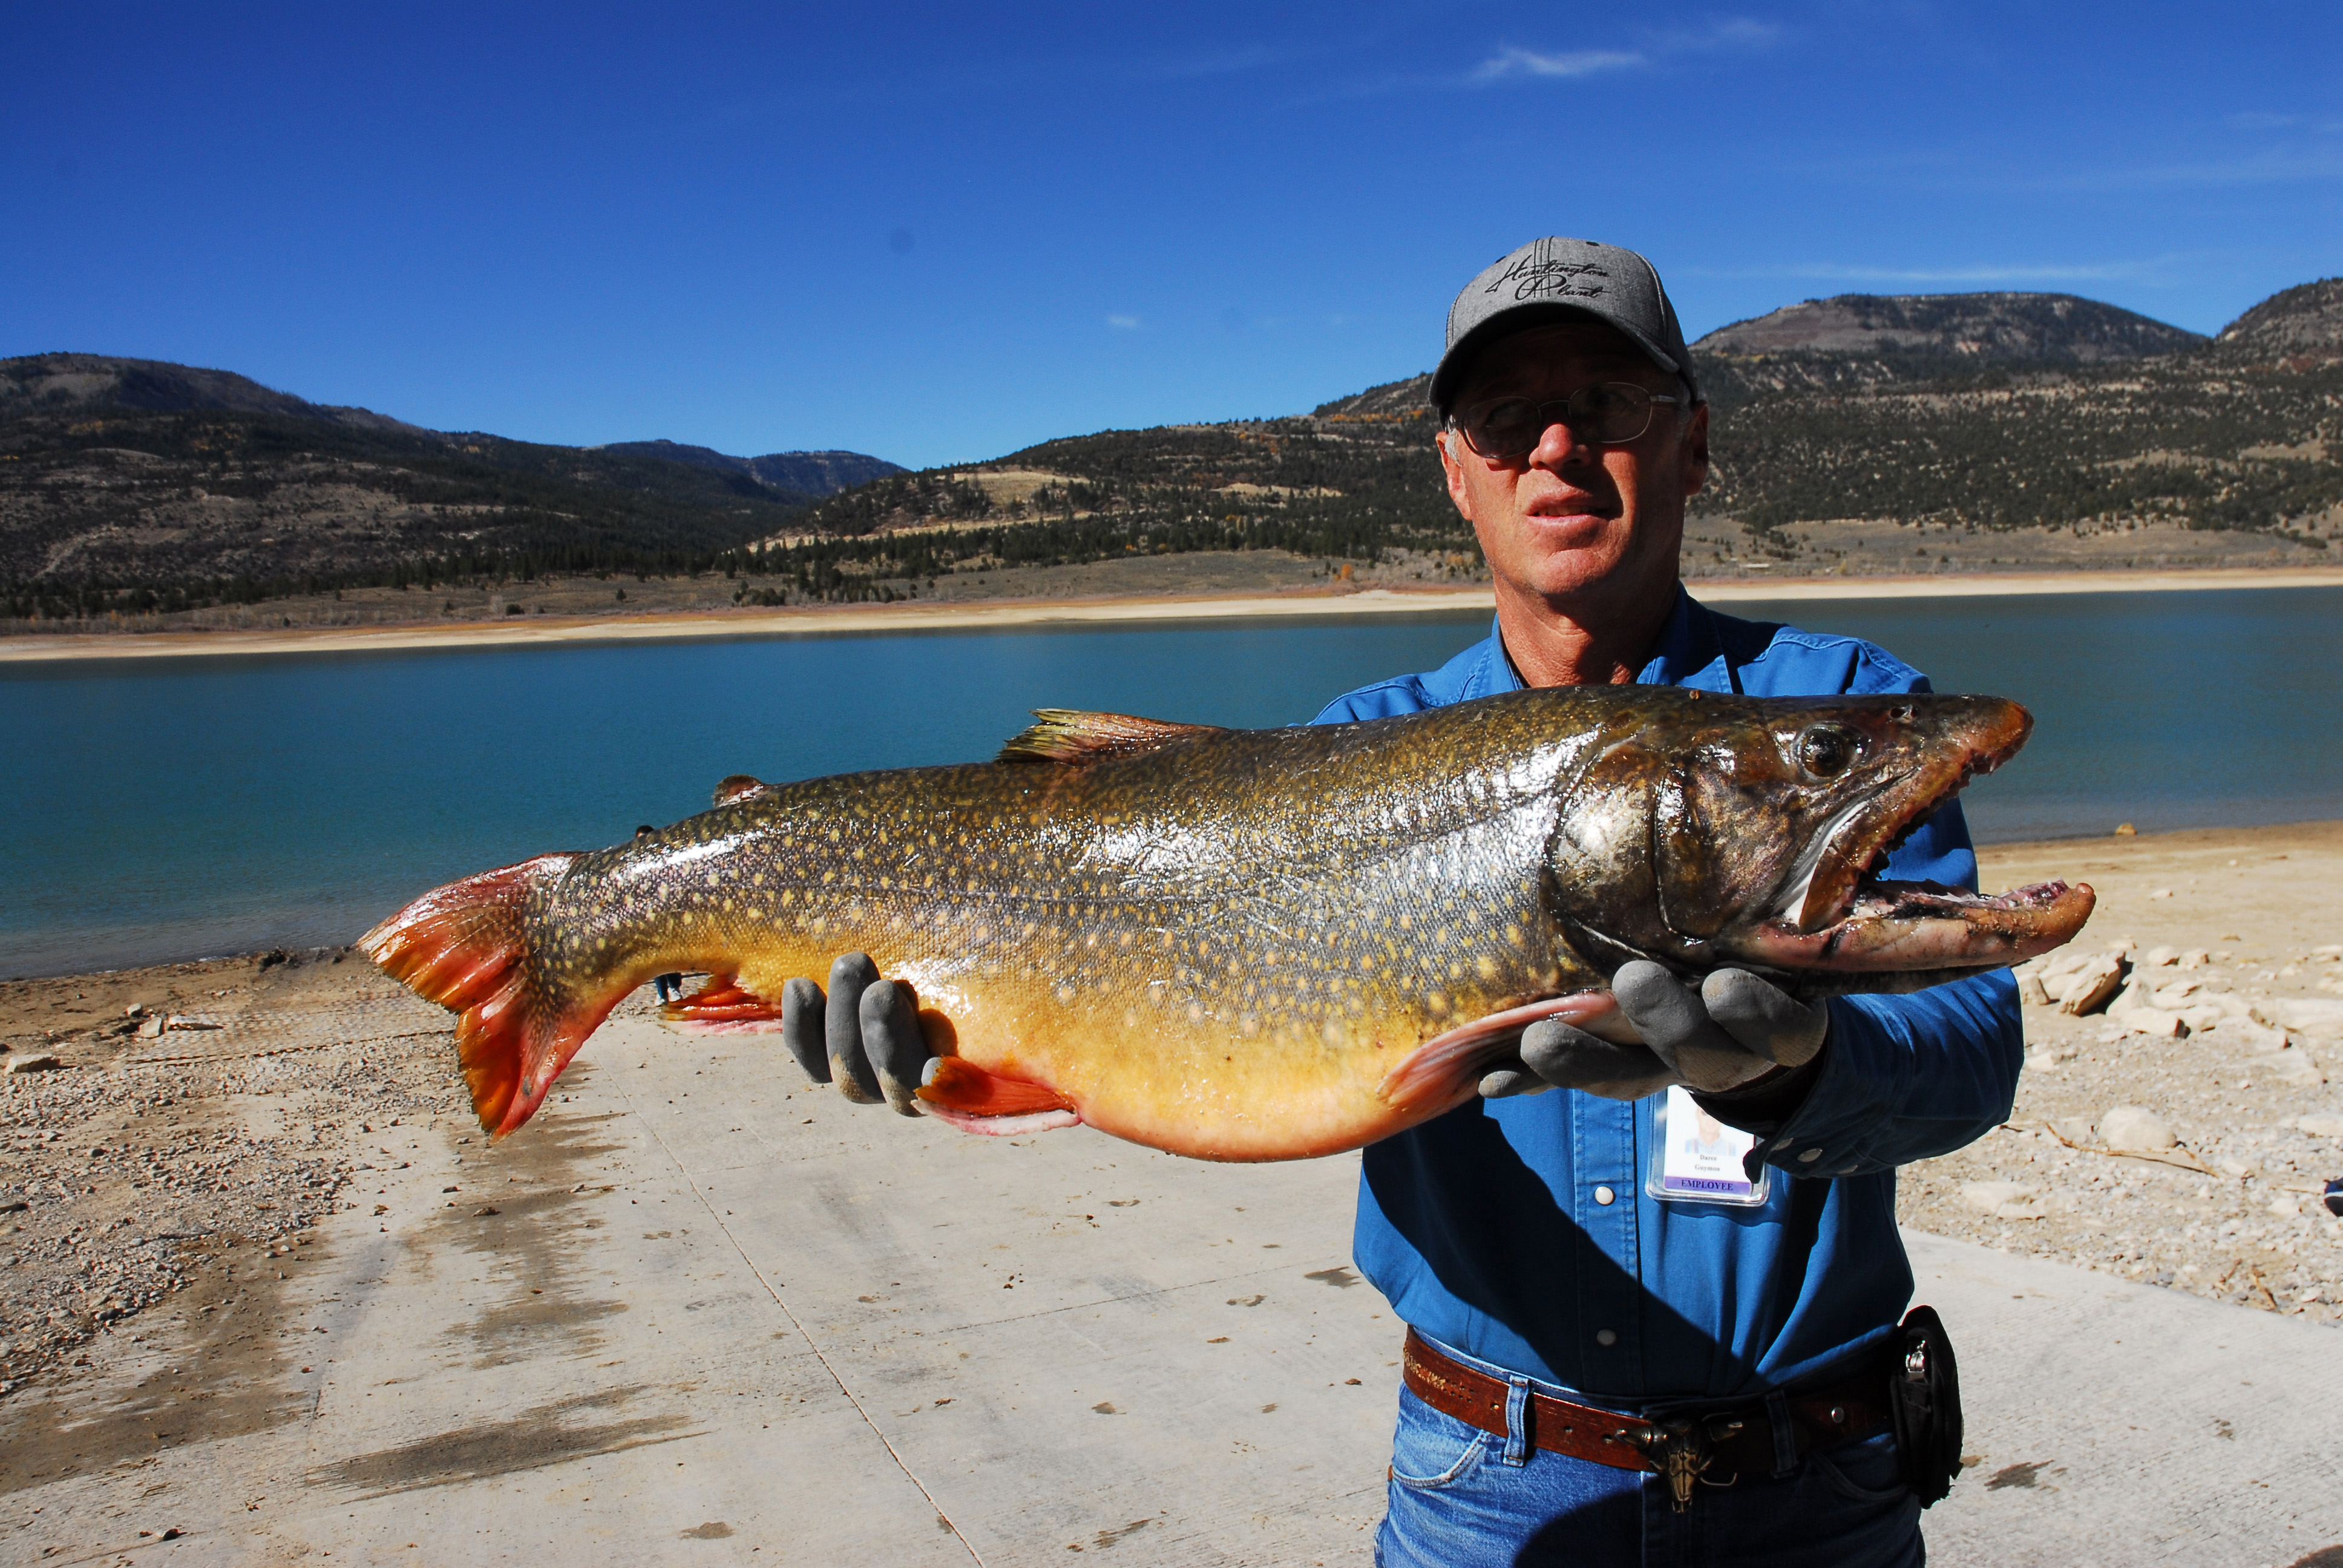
(1599,1369)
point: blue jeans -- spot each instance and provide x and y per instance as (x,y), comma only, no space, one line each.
(1464,1498)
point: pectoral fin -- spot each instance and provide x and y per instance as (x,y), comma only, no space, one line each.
(953,1083)
(722,1007)
(1445,1070)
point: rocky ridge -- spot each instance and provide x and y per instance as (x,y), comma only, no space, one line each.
(2048,328)
(52,383)
(806,473)
(2304,323)
(136,486)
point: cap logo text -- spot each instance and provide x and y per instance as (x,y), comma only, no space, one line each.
(1538,274)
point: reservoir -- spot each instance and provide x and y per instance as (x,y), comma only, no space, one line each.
(170,809)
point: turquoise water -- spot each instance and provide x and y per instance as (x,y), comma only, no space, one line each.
(166,810)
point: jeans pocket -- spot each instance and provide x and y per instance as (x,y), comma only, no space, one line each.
(1431,1450)
(1869,1470)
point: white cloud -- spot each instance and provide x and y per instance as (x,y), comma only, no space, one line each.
(1508,65)
(1732,33)
(1123,323)
(1512,64)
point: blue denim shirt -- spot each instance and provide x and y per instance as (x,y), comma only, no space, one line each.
(1485,1228)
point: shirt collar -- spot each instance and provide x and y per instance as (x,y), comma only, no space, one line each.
(1496,672)
(1690,652)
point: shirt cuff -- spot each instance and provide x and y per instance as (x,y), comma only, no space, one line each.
(1763,1105)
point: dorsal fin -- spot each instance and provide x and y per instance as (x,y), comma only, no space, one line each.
(1068,735)
(737,787)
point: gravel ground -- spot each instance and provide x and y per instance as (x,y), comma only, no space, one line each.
(2231,1207)
(143,1168)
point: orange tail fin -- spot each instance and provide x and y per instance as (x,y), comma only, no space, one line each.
(466,947)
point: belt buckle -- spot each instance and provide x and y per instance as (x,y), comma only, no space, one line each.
(1681,1450)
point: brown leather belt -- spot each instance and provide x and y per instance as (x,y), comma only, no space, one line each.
(1733,1441)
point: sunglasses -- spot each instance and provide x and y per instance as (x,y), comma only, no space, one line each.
(1606,414)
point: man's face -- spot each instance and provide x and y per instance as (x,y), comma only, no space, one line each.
(1566,518)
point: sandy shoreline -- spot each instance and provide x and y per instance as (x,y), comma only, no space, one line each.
(857,619)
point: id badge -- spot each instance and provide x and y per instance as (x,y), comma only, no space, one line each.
(1696,1159)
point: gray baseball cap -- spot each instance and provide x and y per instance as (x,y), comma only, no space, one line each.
(1556,280)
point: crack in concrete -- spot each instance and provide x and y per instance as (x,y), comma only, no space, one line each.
(716,1217)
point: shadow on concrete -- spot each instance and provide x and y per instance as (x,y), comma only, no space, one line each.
(531,1440)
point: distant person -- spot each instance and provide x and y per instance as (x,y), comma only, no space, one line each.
(669,987)
(1596,1372)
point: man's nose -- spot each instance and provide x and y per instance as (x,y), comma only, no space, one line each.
(1559,446)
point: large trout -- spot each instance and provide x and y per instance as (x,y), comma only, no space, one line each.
(1257,944)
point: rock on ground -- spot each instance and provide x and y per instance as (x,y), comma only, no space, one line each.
(2185,1141)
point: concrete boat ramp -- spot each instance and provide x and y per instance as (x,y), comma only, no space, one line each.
(698,1314)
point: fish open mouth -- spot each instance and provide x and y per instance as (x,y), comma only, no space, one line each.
(1838,912)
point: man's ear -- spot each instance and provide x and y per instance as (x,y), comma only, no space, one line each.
(1453,466)
(1693,451)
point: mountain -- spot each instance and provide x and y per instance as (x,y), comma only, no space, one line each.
(2303,322)
(2059,328)
(2003,411)
(1992,411)
(1983,412)
(45,383)
(129,476)
(1393,400)
(807,474)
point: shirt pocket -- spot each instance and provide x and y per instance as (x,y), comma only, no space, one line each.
(1431,1450)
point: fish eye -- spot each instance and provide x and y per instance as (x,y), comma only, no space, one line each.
(1826,750)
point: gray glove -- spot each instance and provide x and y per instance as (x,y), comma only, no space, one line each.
(1735,1028)
(864,1036)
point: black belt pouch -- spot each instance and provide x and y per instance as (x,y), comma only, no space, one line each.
(1924,1392)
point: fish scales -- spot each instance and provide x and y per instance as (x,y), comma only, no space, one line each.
(1256,944)
(1237,936)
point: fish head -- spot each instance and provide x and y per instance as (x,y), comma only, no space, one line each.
(1771,819)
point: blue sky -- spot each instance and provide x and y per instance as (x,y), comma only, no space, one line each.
(938,234)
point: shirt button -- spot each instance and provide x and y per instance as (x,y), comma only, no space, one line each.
(1605,1338)
(1810,1156)
(1604,1195)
